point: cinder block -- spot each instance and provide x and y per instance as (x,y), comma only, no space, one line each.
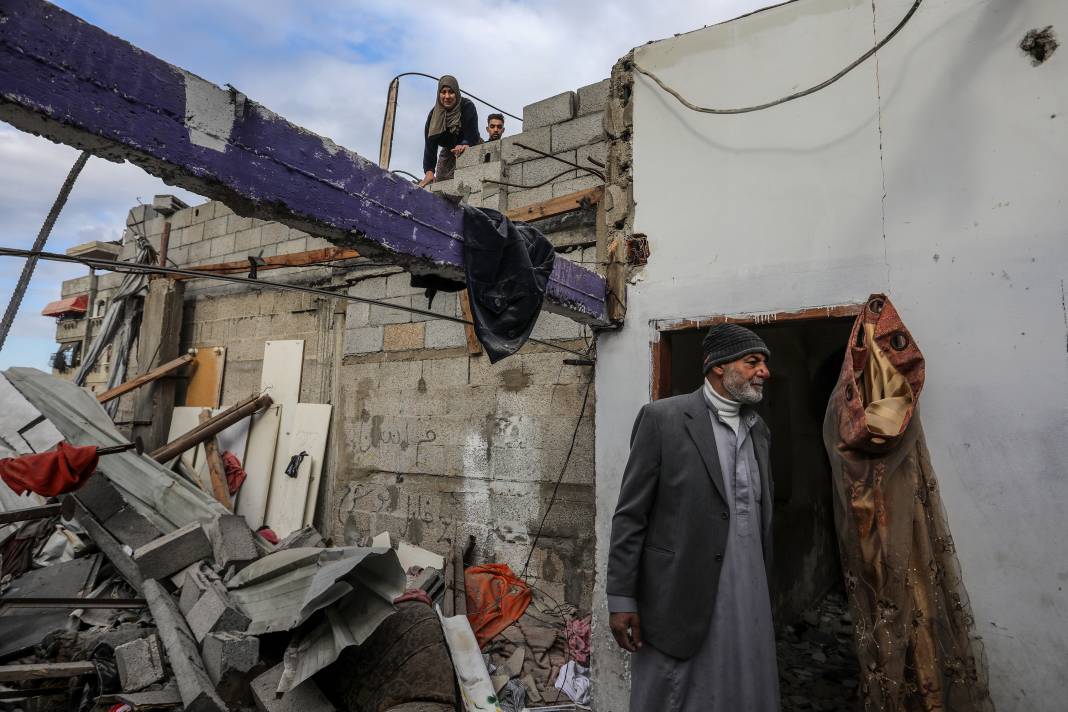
(131,527)
(597,151)
(592,97)
(229,658)
(216,227)
(199,252)
(178,255)
(549,111)
(356,315)
(100,497)
(545,169)
(403,337)
(523,198)
(193,587)
(273,232)
(305,697)
(193,233)
(236,223)
(292,246)
(554,326)
(584,181)
(540,138)
(139,663)
(371,287)
(363,340)
(482,153)
(380,315)
(172,552)
(215,612)
(450,186)
(220,209)
(232,543)
(400,285)
(222,245)
(248,240)
(444,334)
(577,132)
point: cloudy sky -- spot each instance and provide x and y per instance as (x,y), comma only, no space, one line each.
(325,66)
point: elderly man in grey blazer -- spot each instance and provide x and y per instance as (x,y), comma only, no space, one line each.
(691,542)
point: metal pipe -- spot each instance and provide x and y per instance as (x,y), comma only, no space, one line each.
(210,427)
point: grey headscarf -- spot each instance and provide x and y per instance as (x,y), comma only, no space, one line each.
(444,120)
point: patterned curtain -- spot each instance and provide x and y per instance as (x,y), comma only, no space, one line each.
(913,625)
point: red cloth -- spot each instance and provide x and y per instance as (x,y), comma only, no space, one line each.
(50,473)
(414,594)
(235,474)
(577,631)
(268,534)
(496,598)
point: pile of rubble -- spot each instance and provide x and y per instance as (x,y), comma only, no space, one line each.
(817,664)
(139,590)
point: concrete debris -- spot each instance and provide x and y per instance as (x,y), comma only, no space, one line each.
(194,685)
(305,697)
(140,663)
(818,667)
(232,543)
(215,611)
(195,582)
(229,659)
(172,552)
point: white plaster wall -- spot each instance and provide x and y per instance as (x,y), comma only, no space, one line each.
(935,173)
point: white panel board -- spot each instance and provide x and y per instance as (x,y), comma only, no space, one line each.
(289,496)
(258,463)
(283,362)
(183,420)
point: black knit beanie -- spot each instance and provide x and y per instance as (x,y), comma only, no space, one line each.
(729,342)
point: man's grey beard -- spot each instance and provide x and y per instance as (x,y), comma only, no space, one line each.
(740,389)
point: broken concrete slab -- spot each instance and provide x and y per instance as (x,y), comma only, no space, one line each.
(196,582)
(131,527)
(173,552)
(232,543)
(195,687)
(229,659)
(140,663)
(305,697)
(215,611)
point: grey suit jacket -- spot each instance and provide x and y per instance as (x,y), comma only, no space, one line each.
(669,532)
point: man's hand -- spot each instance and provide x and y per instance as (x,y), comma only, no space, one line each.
(427,179)
(460,148)
(627,630)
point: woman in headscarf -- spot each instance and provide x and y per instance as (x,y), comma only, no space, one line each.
(451,126)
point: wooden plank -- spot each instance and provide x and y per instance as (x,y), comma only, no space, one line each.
(258,464)
(474,347)
(44,671)
(557,206)
(219,143)
(220,490)
(157,343)
(289,497)
(296,259)
(141,380)
(205,385)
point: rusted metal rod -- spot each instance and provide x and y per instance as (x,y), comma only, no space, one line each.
(30,513)
(101,603)
(207,429)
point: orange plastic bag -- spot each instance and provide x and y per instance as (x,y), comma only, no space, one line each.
(496,598)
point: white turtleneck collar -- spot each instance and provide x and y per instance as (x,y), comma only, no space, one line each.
(728,410)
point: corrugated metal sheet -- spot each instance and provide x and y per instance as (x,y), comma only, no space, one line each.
(356,587)
(164,498)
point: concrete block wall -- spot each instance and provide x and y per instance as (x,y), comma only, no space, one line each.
(438,446)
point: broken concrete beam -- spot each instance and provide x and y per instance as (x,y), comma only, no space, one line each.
(229,659)
(215,611)
(218,143)
(172,552)
(139,663)
(307,536)
(305,697)
(232,543)
(194,685)
(109,545)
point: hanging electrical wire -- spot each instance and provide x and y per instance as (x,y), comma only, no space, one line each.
(466,93)
(127,268)
(796,95)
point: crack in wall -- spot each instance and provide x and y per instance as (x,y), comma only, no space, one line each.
(882,159)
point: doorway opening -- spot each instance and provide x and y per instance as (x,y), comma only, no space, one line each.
(817,662)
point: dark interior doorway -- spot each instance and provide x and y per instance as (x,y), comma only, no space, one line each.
(818,666)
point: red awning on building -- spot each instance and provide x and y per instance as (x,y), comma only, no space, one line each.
(71,305)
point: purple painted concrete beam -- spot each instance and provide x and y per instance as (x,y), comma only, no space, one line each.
(73,83)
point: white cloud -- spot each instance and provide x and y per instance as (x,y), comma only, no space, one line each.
(325,66)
